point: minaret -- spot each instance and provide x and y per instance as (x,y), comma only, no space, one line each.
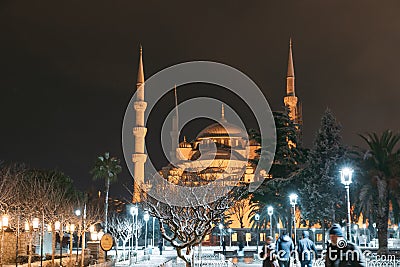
(174,133)
(139,132)
(290,99)
(223,114)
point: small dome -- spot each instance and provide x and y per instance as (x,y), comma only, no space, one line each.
(185,144)
(217,130)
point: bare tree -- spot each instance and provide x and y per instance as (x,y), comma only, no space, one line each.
(239,210)
(9,177)
(186,226)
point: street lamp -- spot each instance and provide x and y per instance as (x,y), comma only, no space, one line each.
(356,240)
(4,226)
(278,225)
(134,212)
(78,213)
(270,213)
(257,219)
(230,237)
(293,202)
(70,228)
(313,230)
(154,220)
(58,228)
(146,218)
(35,226)
(345,177)
(220,226)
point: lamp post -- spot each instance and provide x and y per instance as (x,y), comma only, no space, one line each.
(365,234)
(220,226)
(278,225)
(146,218)
(257,219)
(152,241)
(356,239)
(374,226)
(59,228)
(293,202)
(134,212)
(71,239)
(313,230)
(345,177)
(230,237)
(270,213)
(78,213)
(17,233)
(83,239)
(4,226)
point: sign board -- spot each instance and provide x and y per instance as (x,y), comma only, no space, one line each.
(248,236)
(234,237)
(106,242)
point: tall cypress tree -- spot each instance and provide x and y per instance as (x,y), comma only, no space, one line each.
(287,160)
(321,192)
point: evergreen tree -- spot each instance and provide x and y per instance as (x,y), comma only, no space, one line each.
(287,160)
(321,192)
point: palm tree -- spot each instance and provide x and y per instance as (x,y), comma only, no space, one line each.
(108,168)
(381,164)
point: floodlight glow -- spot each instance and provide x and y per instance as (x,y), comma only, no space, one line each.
(346,175)
(57,226)
(293,199)
(270,210)
(78,212)
(35,223)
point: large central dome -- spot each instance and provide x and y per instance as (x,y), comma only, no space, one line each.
(217,130)
(223,129)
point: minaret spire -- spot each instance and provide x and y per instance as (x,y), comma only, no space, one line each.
(290,89)
(139,131)
(175,129)
(140,77)
(290,99)
(223,113)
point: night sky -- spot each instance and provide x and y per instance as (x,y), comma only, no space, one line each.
(68,68)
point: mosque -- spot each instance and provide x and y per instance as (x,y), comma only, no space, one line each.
(230,147)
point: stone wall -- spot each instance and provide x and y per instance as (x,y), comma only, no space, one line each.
(10,242)
(9,246)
